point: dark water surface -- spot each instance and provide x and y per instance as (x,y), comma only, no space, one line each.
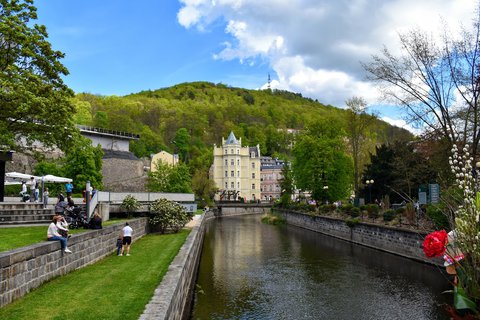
(250,270)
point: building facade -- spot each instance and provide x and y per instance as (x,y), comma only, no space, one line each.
(236,170)
(270,175)
(165,157)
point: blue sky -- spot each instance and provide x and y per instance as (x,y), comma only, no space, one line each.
(314,47)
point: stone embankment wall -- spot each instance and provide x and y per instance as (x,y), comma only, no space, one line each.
(26,268)
(226,210)
(398,241)
(172,298)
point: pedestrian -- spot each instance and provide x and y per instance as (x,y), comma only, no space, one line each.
(24,193)
(119,244)
(45,198)
(127,232)
(37,192)
(61,204)
(33,183)
(54,235)
(69,188)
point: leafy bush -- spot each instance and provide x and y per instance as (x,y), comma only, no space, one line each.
(400,211)
(327,208)
(130,204)
(373,210)
(273,219)
(438,217)
(410,213)
(165,214)
(355,212)
(389,215)
(352,222)
(346,208)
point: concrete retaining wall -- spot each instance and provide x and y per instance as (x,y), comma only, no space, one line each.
(398,241)
(26,268)
(226,210)
(172,298)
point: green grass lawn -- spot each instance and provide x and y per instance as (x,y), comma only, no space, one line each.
(16,237)
(113,288)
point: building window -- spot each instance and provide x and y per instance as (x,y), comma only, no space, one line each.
(253,165)
(233,185)
(238,173)
(253,175)
(226,151)
(226,162)
(238,151)
(238,185)
(232,162)
(252,155)
(238,162)
(231,151)
(232,173)
(226,185)
(226,173)
(253,186)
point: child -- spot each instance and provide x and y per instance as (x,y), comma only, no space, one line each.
(119,245)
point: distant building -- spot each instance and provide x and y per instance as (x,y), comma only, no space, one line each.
(236,170)
(270,174)
(108,139)
(165,157)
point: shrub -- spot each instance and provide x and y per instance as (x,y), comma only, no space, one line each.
(410,213)
(165,214)
(373,210)
(355,212)
(400,211)
(273,219)
(327,208)
(346,208)
(130,204)
(352,222)
(438,217)
(389,215)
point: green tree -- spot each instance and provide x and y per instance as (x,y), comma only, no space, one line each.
(34,101)
(358,122)
(182,142)
(167,178)
(286,184)
(83,163)
(321,165)
(203,187)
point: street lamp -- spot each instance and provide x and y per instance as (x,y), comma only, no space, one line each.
(369,185)
(325,188)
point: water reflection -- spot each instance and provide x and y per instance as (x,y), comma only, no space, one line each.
(250,270)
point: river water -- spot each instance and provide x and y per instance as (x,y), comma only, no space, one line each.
(250,270)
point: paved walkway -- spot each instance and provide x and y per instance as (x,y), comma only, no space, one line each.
(195,220)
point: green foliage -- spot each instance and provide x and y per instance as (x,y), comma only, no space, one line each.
(83,163)
(439,218)
(350,210)
(352,222)
(209,112)
(31,82)
(130,204)
(321,161)
(165,214)
(273,219)
(373,210)
(203,187)
(327,208)
(182,143)
(389,215)
(169,178)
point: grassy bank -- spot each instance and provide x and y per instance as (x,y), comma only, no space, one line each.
(16,237)
(114,288)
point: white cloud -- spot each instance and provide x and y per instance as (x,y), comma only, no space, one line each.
(315,46)
(402,124)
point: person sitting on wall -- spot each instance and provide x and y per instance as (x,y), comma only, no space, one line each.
(54,235)
(96,221)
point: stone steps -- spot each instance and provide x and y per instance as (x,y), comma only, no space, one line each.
(20,205)
(25,216)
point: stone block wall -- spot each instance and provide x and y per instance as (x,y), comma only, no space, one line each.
(398,241)
(172,298)
(26,268)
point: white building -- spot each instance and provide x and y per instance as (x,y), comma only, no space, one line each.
(236,170)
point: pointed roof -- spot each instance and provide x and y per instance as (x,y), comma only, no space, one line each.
(231,139)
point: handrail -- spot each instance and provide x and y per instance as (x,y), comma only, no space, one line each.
(92,205)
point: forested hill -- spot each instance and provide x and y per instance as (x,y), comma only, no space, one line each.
(209,112)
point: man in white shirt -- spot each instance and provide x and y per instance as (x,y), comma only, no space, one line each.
(127,232)
(33,183)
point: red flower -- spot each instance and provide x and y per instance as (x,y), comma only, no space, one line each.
(434,243)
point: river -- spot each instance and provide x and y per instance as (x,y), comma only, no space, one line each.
(251,270)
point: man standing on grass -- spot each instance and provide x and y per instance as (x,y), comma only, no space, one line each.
(127,238)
